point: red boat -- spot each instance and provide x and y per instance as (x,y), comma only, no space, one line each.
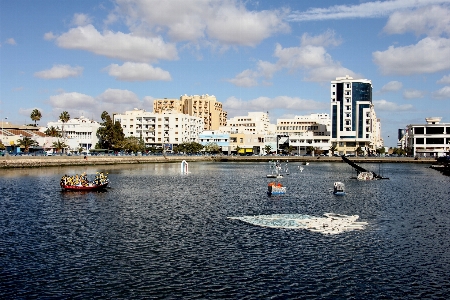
(90,187)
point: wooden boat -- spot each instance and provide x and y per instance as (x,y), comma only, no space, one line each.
(89,187)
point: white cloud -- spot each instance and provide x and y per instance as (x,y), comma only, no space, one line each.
(137,72)
(444,80)
(314,60)
(431,20)
(60,71)
(326,39)
(11,41)
(81,20)
(280,104)
(391,86)
(443,93)
(234,25)
(383,105)
(111,100)
(428,56)
(67,101)
(373,9)
(246,78)
(413,94)
(227,21)
(49,36)
(116,96)
(117,45)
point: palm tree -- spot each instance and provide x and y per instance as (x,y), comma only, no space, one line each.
(26,143)
(52,131)
(267,149)
(35,116)
(64,117)
(58,145)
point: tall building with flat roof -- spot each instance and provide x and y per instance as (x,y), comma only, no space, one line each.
(353,120)
(205,107)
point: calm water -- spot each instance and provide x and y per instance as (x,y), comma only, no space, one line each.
(158,234)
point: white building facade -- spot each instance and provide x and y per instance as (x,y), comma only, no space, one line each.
(430,139)
(303,132)
(77,133)
(168,128)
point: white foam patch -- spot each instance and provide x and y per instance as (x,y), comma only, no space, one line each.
(330,223)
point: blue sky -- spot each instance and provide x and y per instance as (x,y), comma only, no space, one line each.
(88,56)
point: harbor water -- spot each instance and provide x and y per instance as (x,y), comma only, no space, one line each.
(159,233)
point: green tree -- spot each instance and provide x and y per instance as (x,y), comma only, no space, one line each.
(2,147)
(212,148)
(359,151)
(189,147)
(333,149)
(289,149)
(26,143)
(381,150)
(267,149)
(35,116)
(110,134)
(309,149)
(64,117)
(52,131)
(59,145)
(131,144)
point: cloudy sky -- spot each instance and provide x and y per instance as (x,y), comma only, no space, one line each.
(88,56)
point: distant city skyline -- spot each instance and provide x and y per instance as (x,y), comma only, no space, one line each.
(86,57)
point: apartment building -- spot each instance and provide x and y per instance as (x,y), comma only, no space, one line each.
(353,120)
(77,133)
(248,133)
(166,129)
(430,139)
(203,106)
(307,131)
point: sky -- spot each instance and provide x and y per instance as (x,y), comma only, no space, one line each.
(90,56)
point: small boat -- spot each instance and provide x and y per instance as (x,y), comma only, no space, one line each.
(275,189)
(89,187)
(81,183)
(339,188)
(274,176)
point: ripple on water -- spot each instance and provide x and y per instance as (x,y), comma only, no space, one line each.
(159,234)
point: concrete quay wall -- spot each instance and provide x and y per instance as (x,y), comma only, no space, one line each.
(58,161)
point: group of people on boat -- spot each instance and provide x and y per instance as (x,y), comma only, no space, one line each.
(82,180)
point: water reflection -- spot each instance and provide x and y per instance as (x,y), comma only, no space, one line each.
(157,233)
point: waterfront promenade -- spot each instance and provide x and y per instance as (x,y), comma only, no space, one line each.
(58,161)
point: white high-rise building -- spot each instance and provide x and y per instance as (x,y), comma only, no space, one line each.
(353,120)
(168,128)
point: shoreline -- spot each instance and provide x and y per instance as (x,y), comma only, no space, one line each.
(9,162)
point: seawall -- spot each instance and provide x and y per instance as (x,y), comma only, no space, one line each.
(7,162)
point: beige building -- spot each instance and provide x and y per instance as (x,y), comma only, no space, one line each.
(168,128)
(205,107)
